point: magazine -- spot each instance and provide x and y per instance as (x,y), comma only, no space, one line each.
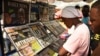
(51,28)
(23,40)
(57,26)
(15,13)
(44,12)
(47,52)
(34,14)
(41,35)
(56,45)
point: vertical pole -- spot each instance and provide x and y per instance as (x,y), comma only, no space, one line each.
(1,37)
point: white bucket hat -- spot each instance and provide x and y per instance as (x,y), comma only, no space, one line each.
(70,12)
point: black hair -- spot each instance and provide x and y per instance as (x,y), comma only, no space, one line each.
(77,7)
(96,4)
(85,10)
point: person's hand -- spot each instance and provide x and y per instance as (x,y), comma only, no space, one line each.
(64,35)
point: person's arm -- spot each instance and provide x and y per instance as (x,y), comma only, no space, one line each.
(62,52)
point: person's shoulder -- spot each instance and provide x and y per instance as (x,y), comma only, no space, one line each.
(82,27)
(96,52)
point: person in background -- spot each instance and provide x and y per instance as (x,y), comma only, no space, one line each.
(78,42)
(21,16)
(95,39)
(80,12)
(57,14)
(85,12)
(95,23)
(85,19)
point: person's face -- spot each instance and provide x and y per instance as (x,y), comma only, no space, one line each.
(95,20)
(7,18)
(67,22)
